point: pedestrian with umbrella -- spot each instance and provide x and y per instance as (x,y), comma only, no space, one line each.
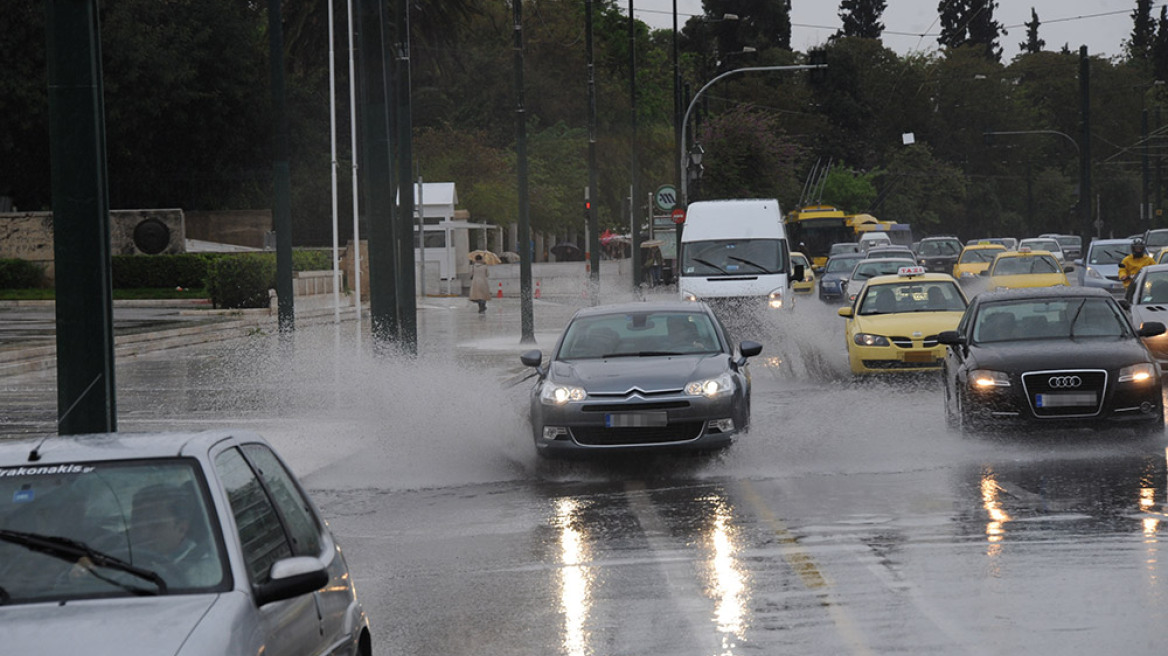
(479,293)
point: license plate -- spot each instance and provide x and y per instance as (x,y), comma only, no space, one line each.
(919,356)
(1063,400)
(635,419)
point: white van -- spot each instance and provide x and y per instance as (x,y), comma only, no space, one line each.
(736,249)
(870,240)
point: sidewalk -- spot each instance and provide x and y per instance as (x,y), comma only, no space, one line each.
(28,331)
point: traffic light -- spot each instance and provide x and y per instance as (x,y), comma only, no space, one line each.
(587,209)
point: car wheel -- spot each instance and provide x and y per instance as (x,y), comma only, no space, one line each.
(1154,426)
(951,419)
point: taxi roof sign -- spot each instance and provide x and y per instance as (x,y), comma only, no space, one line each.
(906,271)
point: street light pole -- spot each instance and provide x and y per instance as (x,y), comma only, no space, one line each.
(681,153)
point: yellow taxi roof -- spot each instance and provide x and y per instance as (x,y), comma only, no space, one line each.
(1022,254)
(893,278)
(980,247)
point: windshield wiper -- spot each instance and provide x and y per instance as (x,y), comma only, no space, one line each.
(73,550)
(745,261)
(1077,311)
(710,264)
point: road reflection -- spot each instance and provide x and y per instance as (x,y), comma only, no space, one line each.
(727,583)
(575,576)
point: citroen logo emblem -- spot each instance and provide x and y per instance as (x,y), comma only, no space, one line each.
(1064,382)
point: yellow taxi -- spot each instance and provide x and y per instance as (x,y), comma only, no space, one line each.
(974,259)
(807,285)
(893,324)
(1025,268)
(1162,256)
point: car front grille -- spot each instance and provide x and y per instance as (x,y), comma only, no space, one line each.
(907,342)
(599,436)
(634,407)
(899,365)
(1069,390)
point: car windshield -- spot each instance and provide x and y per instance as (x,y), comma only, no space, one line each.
(733,256)
(106,529)
(1013,266)
(1109,254)
(1069,240)
(1042,245)
(870,268)
(836,249)
(1157,239)
(979,255)
(799,260)
(939,247)
(1036,319)
(912,296)
(841,264)
(633,334)
(1154,288)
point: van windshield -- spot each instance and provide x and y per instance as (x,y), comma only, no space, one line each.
(733,257)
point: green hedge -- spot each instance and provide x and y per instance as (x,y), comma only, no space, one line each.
(162,271)
(242,280)
(20,274)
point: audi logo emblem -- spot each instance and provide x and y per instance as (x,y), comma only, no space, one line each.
(1064,382)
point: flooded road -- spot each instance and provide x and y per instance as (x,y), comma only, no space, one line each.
(849,521)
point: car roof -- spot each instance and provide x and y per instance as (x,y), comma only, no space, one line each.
(921,277)
(1008,254)
(1043,292)
(974,247)
(1154,268)
(1110,242)
(643,306)
(880,260)
(57,449)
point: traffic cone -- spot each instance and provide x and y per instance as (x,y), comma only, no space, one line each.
(500,294)
(537,288)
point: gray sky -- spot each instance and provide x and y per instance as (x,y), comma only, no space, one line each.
(1101,25)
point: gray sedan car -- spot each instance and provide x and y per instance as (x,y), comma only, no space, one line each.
(641,376)
(194,544)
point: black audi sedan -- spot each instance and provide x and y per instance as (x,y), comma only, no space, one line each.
(639,377)
(1050,355)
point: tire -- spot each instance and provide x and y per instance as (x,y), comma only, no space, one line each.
(966,423)
(951,419)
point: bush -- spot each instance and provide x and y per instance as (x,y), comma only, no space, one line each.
(241,280)
(20,274)
(162,271)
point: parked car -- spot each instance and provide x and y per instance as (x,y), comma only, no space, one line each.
(167,543)
(640,376)
(1050,355)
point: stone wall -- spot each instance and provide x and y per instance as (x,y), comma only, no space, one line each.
(29,235)
(239,227)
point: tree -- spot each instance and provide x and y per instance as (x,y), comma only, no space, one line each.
(761,24)
(1160,47)
(851,191)
(747,156)
(970,22)
(1032,44)
(921,190)
(1139,46)
(861,18)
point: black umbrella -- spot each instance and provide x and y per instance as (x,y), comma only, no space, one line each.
(567,252)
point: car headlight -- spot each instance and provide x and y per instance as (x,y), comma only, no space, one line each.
(689,296)
(968,274)
(1138,373)
(711,387)
(987,378)
(775,298)
(868,339)
(1093,273)
(553,394)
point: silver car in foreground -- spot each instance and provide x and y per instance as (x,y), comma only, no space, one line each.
(167,544)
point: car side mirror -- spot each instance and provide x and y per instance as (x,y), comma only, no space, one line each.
(292,577)
(797,272)
(749,349)
(1068,269)
(845,312)
(1125,304)
(1151,329)
(984,272)
(950,338)
(532,358)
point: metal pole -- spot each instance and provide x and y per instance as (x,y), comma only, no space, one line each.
(407,300)
(333,164)
(1085,139)
(422,237)
(679,169)
(527,320)
(354,172)
(81,238)
(636,235)
(1145,207)
(593,193)
(282,209)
